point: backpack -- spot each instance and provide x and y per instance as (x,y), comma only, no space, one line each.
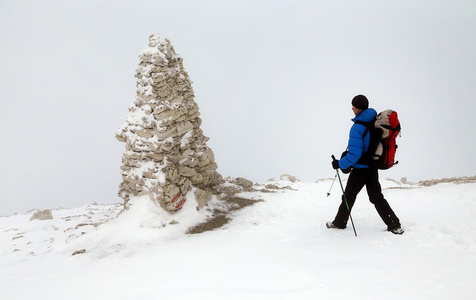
(382,147)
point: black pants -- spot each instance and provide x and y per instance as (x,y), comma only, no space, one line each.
(357,179)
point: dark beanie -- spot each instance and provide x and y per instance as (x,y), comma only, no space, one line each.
(360,102)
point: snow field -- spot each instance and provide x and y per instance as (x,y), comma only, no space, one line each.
(278,248)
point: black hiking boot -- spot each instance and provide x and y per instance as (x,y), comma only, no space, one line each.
(396,230)
(332,225)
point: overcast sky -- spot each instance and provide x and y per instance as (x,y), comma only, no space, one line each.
(273,80)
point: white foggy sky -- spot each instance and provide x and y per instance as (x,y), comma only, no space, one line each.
(273,80)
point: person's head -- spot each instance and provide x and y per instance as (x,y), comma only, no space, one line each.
(359,104)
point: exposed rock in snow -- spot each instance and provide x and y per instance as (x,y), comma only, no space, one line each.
(166,152)
(285,177)
(42,215)
(456,180)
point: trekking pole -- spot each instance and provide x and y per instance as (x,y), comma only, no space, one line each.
(345,199)
(329,193)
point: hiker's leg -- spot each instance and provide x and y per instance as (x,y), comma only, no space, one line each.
(355,183)
(374,190)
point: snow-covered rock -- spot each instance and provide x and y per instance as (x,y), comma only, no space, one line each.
(166,151)
(42,215)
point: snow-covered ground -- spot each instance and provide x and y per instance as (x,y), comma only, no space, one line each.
(278,248)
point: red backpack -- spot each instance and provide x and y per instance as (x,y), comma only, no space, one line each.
(383,132)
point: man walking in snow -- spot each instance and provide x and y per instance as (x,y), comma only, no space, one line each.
(362,175)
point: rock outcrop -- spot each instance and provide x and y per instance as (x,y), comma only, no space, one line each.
(42,215)
(166,152)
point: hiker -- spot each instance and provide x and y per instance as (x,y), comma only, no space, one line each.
(361,174)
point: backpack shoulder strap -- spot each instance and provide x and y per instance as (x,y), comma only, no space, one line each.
(367,126)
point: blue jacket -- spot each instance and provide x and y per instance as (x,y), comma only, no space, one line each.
(358,145)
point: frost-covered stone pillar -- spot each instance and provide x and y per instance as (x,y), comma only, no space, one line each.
(166,152)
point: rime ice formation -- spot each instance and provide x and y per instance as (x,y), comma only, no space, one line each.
(166,153)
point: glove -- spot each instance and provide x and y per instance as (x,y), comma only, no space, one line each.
(335,164)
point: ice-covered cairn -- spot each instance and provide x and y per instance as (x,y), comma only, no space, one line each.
(166,153)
